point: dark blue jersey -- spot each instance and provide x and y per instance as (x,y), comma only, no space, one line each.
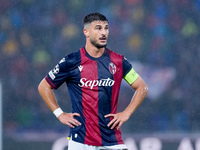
(93,85)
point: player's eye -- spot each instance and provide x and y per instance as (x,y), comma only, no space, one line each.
(98,27)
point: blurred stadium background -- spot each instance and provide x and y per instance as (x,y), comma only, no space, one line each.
(160,38)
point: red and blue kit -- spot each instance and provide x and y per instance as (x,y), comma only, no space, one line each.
(93,85)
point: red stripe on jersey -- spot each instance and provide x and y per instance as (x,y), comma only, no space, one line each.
(117,60)
(90,101)
(50,83)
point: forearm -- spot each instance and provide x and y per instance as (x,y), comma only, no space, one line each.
(47,95)
(136,100)
(138,97)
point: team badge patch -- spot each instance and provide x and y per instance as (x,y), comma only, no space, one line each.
(112,68)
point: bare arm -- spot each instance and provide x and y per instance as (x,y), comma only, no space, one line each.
(141,91)
(47,95)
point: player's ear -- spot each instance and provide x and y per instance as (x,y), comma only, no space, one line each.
(86,32)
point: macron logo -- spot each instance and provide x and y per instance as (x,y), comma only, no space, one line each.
(80,68)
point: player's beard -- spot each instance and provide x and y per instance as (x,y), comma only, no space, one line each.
(97,45)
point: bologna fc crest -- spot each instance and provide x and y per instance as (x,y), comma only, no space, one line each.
(112,68)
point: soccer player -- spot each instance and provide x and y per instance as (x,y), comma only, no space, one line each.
(93,76)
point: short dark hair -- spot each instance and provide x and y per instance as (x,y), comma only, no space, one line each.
(94,17)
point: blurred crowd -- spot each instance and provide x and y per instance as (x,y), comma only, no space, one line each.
(35,35)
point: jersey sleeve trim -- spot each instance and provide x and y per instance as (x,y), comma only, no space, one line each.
(131,76)
(50,83)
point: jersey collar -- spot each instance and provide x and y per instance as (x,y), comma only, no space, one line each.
(94,58)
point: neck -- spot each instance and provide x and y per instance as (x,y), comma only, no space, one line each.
(94,51)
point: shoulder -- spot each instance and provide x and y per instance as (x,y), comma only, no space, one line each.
(115,56)
(73,58)
(114,53)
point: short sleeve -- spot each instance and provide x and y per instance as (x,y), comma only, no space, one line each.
(131,76)
(59,74)
(129,73)
(126,66)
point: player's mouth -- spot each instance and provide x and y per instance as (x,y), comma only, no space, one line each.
(103,39)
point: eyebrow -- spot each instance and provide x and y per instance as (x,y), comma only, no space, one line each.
(101,25)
